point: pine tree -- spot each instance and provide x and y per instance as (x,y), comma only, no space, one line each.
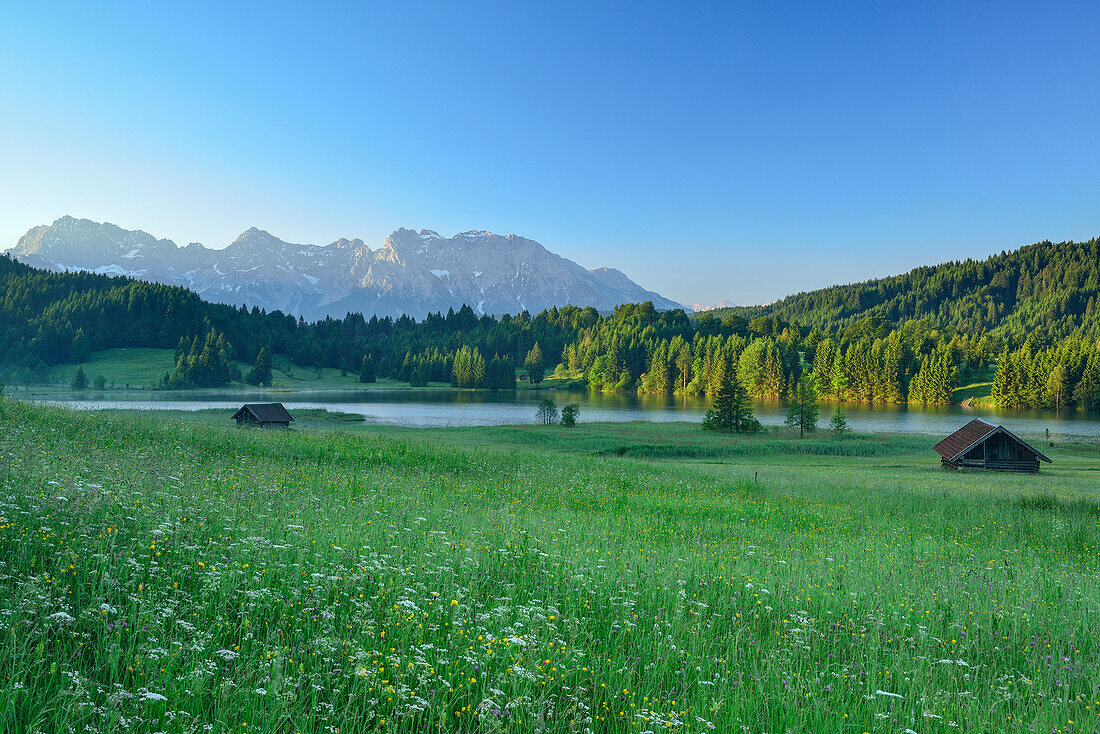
(208,363)
(500,375)
(477,369)
(1004,391)
(419,376)
(732,411)
(80,380)
(717,369)
(1087,392)
(760,368)
(81,348)
(535,368)
(935,380)
(260,374)
(823,364)
(658,378)
(838,424)
(460,368)
(366,370)
(892,356)
(468,369)
(840,377)
(802,405)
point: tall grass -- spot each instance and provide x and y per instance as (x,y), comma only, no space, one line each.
(182,578)
(681,440)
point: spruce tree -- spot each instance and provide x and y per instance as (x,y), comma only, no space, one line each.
(838,424)
(823,364)
(81,348)
(500,375)
(477,369)
(802,405)
(260,374)
(535,368)
(891,369)
(1087,391)
(840,376)
(366,370)
(80,380)
(732,411)
(419,375)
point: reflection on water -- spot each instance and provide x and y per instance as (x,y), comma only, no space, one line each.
(431,408)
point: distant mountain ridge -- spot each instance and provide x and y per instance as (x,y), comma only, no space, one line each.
(413,273)
(700,307)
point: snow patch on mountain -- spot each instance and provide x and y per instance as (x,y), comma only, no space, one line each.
(414,272)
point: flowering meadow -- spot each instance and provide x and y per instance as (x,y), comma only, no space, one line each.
(166,576)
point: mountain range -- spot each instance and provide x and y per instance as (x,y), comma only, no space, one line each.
(413,273)
(700,307)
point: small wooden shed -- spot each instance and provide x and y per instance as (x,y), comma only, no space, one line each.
(984,446)
(264,415)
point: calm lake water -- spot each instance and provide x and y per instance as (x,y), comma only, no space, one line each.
(435,408)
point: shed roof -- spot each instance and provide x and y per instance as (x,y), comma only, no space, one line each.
(972,434)
(266,412)
(964,438)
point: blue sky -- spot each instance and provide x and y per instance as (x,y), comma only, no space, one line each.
(725,151)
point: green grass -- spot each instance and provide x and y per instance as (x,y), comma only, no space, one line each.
(137,367)
(142,369)
(978,390)
(163,575)
(304,418)
(659,441)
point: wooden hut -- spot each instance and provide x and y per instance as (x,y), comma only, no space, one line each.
(984,446)
(264,415)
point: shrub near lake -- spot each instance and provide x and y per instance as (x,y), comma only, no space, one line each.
(180,577)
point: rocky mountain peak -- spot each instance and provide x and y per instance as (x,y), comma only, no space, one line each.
(414,272)
(345,244)
(254,236)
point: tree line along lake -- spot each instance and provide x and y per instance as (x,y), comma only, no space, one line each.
(425,408)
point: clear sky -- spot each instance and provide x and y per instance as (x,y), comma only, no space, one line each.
(735,151)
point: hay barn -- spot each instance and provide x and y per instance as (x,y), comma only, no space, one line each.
(980,445)
(264,415)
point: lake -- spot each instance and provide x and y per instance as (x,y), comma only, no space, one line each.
(443,407)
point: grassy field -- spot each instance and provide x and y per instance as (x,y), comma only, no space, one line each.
(173,575)
(135,369)
(143,368)
(978,390)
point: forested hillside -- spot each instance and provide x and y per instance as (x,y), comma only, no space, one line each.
(1046,288)
(913,338)
(47,318)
